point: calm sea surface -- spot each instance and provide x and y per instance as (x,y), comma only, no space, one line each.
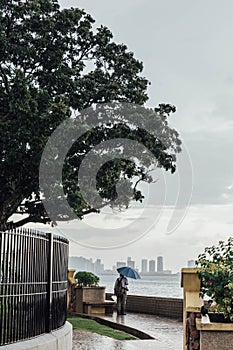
(162,286)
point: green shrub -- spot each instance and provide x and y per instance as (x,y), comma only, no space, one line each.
(215,271)
(86,279)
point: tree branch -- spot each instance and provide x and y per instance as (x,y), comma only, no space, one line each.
(27,220)
(93,210)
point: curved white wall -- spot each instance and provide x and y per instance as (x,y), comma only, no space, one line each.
(60,339)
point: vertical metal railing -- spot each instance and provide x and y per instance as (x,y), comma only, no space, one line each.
(33,284)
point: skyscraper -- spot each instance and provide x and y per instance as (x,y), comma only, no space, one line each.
(120,264)
(160,264)
(152,266)
(98,266)
(144,266)
(130,262)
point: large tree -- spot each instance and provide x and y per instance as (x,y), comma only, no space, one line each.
(54,63)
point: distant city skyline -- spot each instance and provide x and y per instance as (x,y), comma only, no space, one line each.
(147,266)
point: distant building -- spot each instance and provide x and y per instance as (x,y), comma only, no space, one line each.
(120,264)
(130,262)
(80,264)
(191,263)
(152,266)
(73,262)
(160,264)
(98,267)
(144,266)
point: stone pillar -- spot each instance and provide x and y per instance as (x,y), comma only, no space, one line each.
(192,301)
(71,294)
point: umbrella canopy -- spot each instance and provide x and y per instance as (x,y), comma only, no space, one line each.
(128,272)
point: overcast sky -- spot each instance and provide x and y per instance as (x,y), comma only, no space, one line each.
(187,50)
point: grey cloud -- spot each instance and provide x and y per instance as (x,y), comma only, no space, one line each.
(187,51)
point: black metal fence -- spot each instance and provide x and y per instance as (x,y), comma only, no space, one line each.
(33,289)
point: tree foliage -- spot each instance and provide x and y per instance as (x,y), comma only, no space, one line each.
(54,63)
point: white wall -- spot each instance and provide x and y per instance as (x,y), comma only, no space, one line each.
(60,339)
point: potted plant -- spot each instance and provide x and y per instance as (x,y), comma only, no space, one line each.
(215,271)
(88,290)
(86,279)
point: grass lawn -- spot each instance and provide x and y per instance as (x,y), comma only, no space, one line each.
(93,326)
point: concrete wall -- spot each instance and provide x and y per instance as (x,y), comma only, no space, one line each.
(60,339)
(216,340)
(168,307)
(215,336)
(90,294)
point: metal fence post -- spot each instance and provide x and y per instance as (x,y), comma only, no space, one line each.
(50,281)
(33,280)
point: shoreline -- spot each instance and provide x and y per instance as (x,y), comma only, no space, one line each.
(144,274)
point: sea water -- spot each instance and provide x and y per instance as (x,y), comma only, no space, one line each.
(168,286)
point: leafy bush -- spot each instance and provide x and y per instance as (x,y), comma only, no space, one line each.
(215,270)
(85,279)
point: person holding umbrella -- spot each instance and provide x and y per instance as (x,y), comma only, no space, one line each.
(121,287)
(120,290)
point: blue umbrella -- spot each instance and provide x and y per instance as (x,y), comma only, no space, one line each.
(128,272)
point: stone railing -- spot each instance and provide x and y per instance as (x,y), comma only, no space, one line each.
(167,307)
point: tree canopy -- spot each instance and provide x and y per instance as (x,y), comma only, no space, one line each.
(55,63)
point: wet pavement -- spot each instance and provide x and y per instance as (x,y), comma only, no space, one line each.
(168,334)
(91,341)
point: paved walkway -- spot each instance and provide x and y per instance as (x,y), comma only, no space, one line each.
(168,334)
